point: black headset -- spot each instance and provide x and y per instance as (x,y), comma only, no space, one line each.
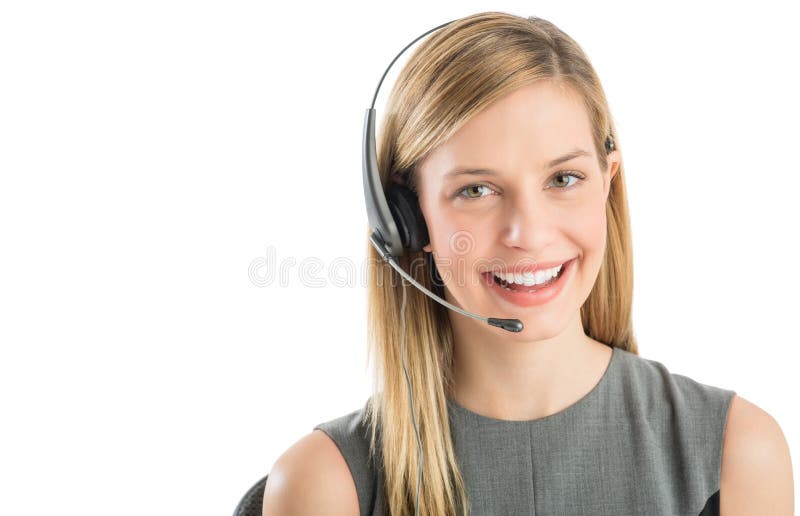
(394,214)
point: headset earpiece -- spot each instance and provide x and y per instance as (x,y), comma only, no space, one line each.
(610,146)
(404,206)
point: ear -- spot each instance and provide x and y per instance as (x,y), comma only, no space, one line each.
(614,159)
(427,248)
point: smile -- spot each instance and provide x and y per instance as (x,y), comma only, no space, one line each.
(529,288)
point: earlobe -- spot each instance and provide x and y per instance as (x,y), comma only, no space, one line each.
(427,248)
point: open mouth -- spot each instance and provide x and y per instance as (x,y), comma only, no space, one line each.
(521,287)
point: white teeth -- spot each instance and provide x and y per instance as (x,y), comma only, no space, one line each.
(529,279)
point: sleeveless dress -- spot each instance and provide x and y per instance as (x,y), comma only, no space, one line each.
(642,441)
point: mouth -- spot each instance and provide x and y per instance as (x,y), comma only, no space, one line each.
(529,289)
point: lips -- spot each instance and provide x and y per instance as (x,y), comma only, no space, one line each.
(524,296)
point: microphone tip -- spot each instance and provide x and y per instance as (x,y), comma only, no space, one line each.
(514,325)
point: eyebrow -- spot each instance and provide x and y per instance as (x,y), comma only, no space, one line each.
(575,153)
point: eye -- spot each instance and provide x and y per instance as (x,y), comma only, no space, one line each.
(577,175)
(473,191)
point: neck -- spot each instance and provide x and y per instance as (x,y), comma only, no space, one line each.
(512,377)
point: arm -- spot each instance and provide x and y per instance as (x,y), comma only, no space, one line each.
(756,471)
(311,478)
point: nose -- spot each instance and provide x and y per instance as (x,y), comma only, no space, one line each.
(528,223)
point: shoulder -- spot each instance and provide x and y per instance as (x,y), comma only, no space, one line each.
(311,477)
(657,388)
(756,476)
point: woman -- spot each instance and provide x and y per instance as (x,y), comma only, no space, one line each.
(500,127)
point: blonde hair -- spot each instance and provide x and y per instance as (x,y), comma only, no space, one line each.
(452,75)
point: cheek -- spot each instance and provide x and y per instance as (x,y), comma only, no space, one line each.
(588,232)
(584,220)
(589,227)
(457,240)
(448,231)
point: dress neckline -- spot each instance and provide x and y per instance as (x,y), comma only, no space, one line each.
(587,398)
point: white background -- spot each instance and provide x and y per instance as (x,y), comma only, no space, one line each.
(151,153)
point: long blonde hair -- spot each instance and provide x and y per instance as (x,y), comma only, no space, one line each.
(451,76)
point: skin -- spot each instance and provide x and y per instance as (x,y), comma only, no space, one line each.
(756,472)
(527,213)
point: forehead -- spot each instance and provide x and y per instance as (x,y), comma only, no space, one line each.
(527,127)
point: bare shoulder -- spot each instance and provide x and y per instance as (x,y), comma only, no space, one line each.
(756,471)
(311,478)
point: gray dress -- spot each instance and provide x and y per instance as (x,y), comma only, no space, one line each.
(642,441)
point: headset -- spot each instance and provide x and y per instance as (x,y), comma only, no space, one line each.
(397,224)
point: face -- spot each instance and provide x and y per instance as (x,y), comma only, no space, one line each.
(518,210)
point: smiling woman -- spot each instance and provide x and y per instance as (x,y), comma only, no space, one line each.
(501,140)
